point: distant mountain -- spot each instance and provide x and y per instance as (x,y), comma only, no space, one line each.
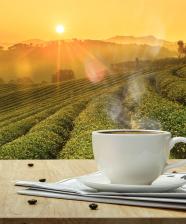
(149,40)
(34,42)
(146,40)
(127,40)
(5,45)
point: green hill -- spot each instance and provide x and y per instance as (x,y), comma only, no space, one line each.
(56,120)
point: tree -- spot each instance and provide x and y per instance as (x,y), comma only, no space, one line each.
(181,49)
(44,82)
(19,46)
(1,81)
(25,80)
(137,62)
(63,75)
(12,82)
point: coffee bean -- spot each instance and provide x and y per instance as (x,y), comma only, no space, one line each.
(42,180)
(93,206)
(30,164)
(174,171)
(32,202)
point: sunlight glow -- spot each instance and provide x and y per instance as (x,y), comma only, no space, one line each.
(60,29)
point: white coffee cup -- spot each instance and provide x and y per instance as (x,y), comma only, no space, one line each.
(134,156)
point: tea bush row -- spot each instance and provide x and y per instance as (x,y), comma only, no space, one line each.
(19,128)
(180,71)
(62,92)
(32,109)
(27,112)
(16,129)
(94,117)
(46,138)
(156,112)
(172,87)
(12,104)
(39,94)
(56,102)
(34,95)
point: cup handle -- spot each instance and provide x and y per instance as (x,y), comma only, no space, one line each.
(177,164)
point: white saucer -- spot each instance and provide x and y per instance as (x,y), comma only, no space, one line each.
(164,183)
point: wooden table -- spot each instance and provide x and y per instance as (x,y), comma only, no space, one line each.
(15,209)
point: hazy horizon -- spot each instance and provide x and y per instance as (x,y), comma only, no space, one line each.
(6,43)
(88,38)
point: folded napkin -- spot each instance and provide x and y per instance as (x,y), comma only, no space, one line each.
(73,189)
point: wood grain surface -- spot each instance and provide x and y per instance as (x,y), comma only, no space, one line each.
(14,208)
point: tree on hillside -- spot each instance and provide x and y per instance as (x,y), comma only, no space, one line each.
(181,49)
(137,62)
(24,81)
(44,82)
(63,75)
(19,46)
(1,81)
(12,82)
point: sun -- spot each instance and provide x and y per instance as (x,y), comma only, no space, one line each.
(60,28)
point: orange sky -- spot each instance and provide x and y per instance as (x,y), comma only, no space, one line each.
(95,19)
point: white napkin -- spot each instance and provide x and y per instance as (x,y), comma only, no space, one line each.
(75,190)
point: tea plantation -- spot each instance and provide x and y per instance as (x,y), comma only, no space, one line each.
(55,121)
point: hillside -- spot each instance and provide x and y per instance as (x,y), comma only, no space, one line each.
(50,121)
(83,57)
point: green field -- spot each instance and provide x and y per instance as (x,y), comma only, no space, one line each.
(49,121)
